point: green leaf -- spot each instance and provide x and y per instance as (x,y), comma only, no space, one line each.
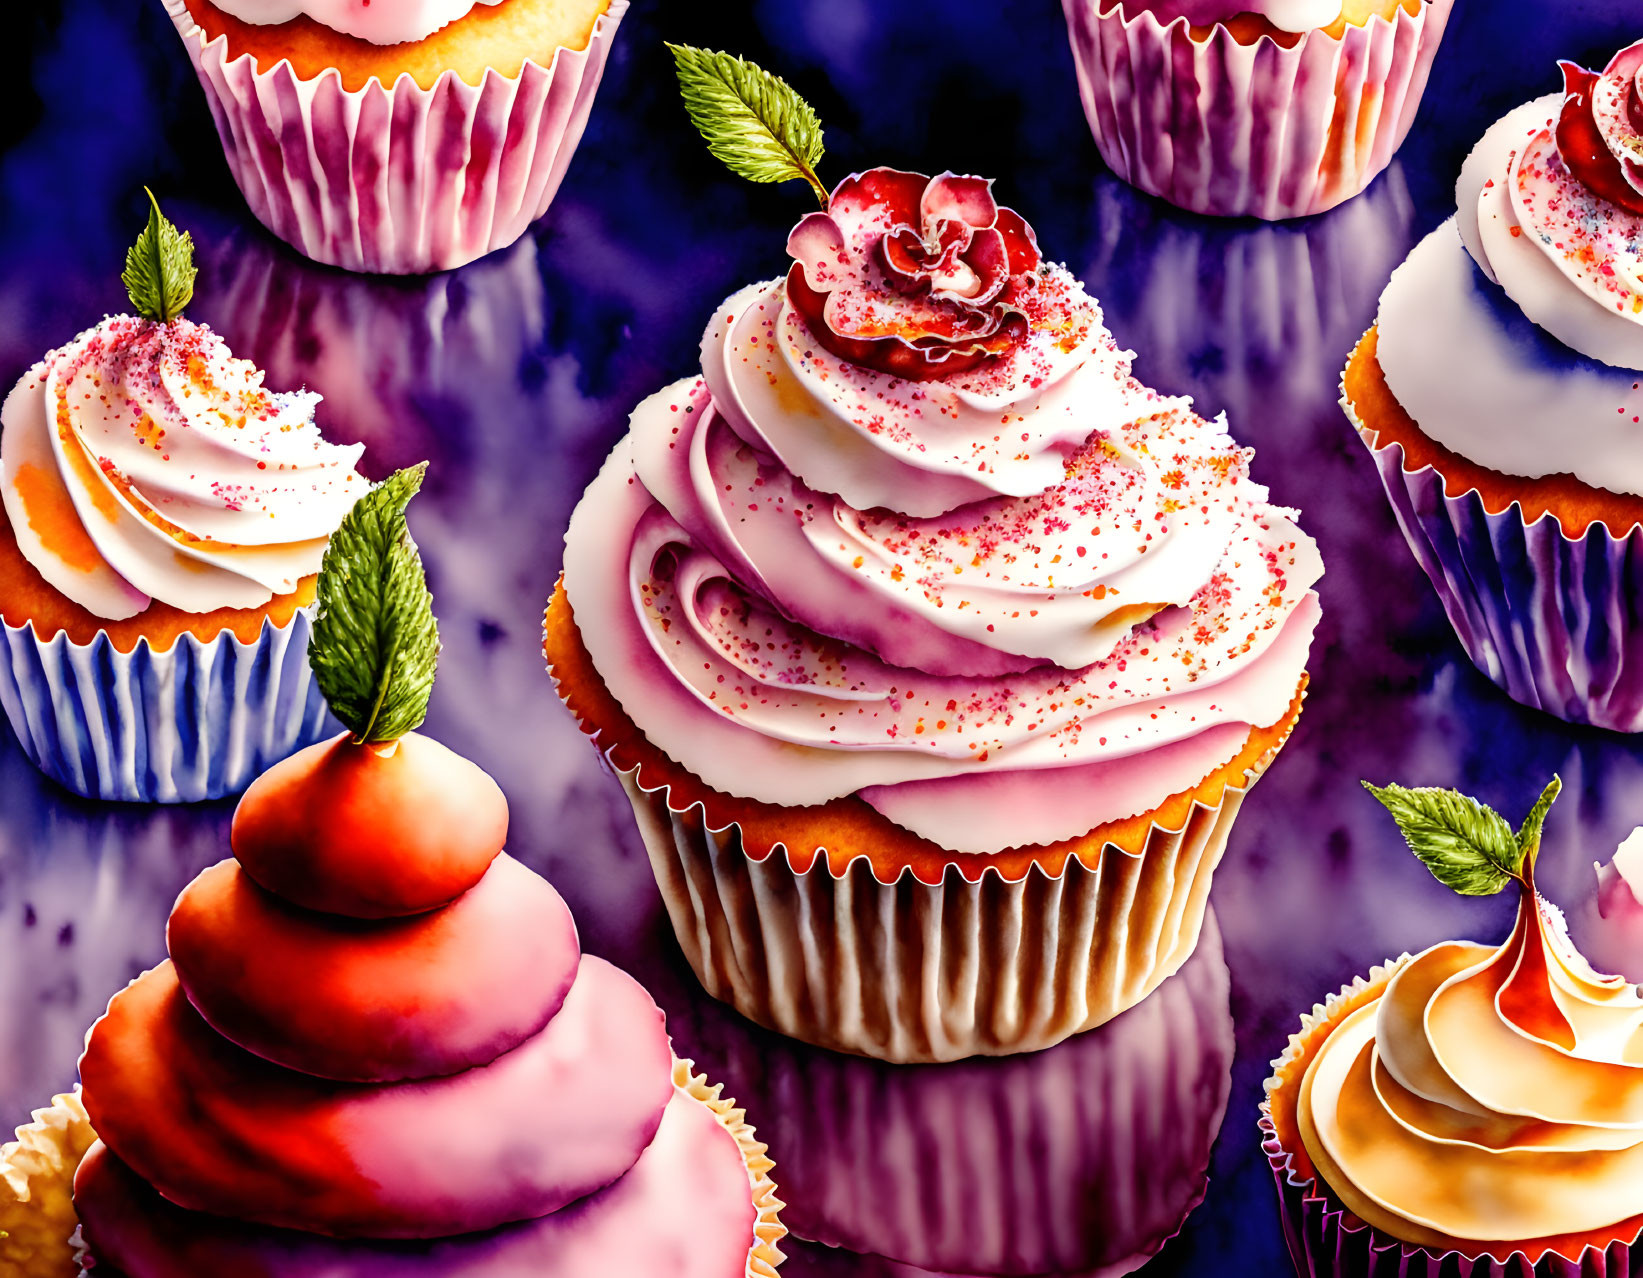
(159,273)
(1467,846)
(376,643)
(1528,837)
(755,122)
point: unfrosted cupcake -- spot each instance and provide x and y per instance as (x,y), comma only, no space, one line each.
(376,1046)
(1263,108)
(935,652)
(162,516)
(405,137)
(1474,1111)
(1499,394)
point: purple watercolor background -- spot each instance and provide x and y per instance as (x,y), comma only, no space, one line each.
(514,376)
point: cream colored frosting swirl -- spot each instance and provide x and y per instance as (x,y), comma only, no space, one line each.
(384,22)
(143,462)
(1490,1095)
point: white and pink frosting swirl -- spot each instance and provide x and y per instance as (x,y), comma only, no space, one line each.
(1535,292)
(1551,209)
(384,22)
(143,462)
(1002,605)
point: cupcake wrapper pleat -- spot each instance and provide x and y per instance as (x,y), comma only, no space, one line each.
(401,180)
(1258,130)
(1556,622)
(198,721)
(914,972)
(1324,1242)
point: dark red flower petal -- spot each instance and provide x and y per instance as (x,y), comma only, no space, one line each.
(1581,144)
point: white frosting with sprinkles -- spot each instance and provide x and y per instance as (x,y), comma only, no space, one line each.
(1521,385)
(144,462)
(1098,627)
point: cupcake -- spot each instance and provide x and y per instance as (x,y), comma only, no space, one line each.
(934,651)
(377,1046)
(1261,108)
(1085,1158)
(1472,1111)
(162,516)
(402,138)
(1498,393)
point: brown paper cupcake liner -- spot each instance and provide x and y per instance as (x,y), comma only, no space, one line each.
(911,972)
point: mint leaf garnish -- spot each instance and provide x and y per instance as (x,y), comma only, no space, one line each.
(376,644)
(1467,846)
(160,271)
(755,122)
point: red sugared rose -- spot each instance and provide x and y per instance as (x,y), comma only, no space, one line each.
(914,276)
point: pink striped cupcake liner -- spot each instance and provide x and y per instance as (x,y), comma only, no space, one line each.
(1326,1241)
(1556,622)
(1259,130)
(401,180)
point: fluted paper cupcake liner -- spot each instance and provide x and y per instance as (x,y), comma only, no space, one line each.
(398,180)
(1555,621)
(40,1234)
(1258,130)
(196,721)
(1326,1241)
(1082,1159)
(907,971)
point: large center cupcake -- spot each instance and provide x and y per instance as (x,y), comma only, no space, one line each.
(935,651)
(377,1046)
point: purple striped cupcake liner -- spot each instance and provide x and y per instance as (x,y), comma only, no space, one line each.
(1259,130)
(401,180)
(1326,1241)
(1555,621)
(195,721)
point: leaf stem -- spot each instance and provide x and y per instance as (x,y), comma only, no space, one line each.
(384,679)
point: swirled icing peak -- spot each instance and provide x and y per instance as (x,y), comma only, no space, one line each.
(1600,132)
(1491,1094)
(920,277)
(144,462)
(1551,208)
(806,577)
(384,22)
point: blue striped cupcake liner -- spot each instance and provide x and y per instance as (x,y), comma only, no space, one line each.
(1555,621)
(197,721)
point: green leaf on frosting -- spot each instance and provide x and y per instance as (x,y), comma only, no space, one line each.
(755,122)
(1528,837)
(376,643)
(160,271)
(1466,845)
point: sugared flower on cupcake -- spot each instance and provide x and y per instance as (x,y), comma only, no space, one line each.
(915,276)
(911,275)
(1600,133)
